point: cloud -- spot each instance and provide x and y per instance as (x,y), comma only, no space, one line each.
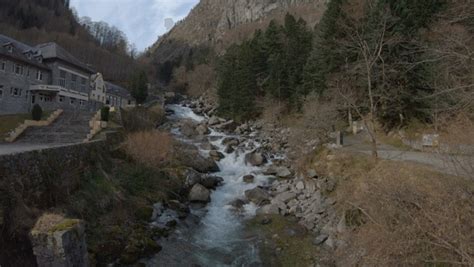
(141,20)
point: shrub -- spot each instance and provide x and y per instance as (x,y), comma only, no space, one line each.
(104,114)
(150,148)
(36,112)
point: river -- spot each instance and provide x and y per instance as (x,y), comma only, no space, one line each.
(215,234)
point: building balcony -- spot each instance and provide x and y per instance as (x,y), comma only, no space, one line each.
(60,91)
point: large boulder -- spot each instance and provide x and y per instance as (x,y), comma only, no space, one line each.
(269,209)
(283,172)
(211,182)
(216,155)
(233,141)
(258,196)
(228,126)
(188,155)
(248,178)
(199,194)
(192,177)
(255,159)
(214,120)
(202,130)
(188,129)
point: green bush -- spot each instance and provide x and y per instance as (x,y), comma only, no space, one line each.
(36,112)
(104,114)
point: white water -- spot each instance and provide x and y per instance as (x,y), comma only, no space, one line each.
(220,239)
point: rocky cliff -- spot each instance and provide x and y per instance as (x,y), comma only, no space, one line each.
(219,23)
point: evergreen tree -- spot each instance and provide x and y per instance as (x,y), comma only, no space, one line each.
(139,86)
(324,57)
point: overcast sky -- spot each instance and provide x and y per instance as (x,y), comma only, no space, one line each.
(141,20)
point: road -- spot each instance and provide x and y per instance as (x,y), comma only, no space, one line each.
(15,148)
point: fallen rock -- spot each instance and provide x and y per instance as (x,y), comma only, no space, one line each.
(271,170)
(199,194)
(258,196)
(228,126)
(255,159)
(248,178)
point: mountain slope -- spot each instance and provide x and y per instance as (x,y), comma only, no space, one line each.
(219,23)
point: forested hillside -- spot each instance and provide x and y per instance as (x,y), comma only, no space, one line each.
(397,61)
(39,21)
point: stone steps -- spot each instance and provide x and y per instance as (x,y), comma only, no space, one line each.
(70,127)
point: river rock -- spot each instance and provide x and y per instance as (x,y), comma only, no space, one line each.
(255,159)
(216,155)
(233,141)
(228,126)
(213,120)
(285,196)
(207,146)
(300,185)
(311,173)
(229,149)
(320,239)
(192,177)
(202,130)
(199,194)
(248,178)
(269,209)
(271,170)
(238,203)
(258,196)
(283,172)
(188,129)
(157,210)
(188,155)
(211,182)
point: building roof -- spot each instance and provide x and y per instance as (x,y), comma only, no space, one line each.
(54,51)
(20,51)
(114,89)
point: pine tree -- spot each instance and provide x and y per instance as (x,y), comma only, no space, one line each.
(139,86)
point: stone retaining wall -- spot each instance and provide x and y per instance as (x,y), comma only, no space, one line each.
(37,181)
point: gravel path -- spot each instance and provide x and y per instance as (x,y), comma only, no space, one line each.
(460,165)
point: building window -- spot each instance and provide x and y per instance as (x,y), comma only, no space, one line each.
(62,78)
(61,98)
(39,75)
(73,81)
(18,69)
(15,91)
(83,84)
(3,65)
(72,101)
(1,91)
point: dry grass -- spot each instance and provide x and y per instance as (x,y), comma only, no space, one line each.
(151,148)
(142,119)
(410,214)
